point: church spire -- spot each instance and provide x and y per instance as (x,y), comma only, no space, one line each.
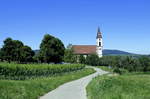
(98,29)
(99,34)
(99,43)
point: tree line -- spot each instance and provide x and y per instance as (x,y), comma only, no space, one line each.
(118,63)
(51,50)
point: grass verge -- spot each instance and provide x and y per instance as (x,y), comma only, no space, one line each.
(32,89)
(105,68)
(120,87)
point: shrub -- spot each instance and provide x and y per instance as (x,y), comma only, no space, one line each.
(120,71)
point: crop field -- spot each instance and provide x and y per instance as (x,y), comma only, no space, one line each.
(127,86)
(26,71)
(30,81)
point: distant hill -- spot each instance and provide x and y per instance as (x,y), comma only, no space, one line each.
(107,52)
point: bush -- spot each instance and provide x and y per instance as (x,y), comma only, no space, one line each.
(120,71)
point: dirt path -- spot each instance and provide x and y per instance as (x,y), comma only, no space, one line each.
(74,89)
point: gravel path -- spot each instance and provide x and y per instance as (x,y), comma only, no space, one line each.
(74,89)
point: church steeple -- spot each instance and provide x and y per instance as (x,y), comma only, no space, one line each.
(99,43)
(99,34)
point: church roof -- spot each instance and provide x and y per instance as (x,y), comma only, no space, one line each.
(84,49)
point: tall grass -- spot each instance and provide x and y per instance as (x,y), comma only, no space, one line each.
(120,87)
(33,88)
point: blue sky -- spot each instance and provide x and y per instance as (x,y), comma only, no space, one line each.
(125,23)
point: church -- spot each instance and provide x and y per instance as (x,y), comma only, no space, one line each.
(86,50)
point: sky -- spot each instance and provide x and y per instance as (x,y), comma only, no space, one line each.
(125,24)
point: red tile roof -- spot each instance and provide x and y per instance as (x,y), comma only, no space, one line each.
(84,49)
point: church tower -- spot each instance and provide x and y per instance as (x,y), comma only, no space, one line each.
(99,43)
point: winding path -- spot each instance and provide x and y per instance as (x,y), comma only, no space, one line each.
(75,89)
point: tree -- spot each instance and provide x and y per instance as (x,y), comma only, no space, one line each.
(51,49)
(82,59)
(92,59)
(145,63)
(129,63)
(14,50)
(26,54)
(17,51)
(8,49)
(69,57)
(1,55)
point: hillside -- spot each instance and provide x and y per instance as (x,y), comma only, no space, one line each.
(116,52)
(107,52)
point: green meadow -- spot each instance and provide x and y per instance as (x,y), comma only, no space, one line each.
(30,81)
(126,86)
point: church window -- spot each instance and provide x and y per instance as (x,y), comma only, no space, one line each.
(99,43)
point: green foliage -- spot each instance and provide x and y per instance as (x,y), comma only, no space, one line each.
(26,54)
(92,59)
(82,59)
(14,50)
(34,88)
(119,87)
(120,71)
(121,63)
(145,63)
(51,49)
(8,49)
(1,55)
(69,57)
(24,71)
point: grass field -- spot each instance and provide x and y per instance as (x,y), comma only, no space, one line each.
(105,68)
(128,86)
(32,89)
(30,81)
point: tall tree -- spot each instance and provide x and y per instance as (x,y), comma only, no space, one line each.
(14,50)
(51,49)
(26,54)
(18,45)
(8,49)
(1,55)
